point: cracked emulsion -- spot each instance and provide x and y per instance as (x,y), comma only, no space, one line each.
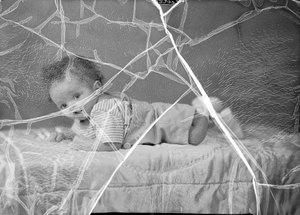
(163,57)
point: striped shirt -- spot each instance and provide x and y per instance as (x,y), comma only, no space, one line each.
(107,121)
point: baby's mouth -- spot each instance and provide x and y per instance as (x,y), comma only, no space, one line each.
(79,115)
(77,112)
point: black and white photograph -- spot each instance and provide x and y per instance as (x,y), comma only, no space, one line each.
(149,106)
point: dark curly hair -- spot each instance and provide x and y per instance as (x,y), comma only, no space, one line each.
(85,70)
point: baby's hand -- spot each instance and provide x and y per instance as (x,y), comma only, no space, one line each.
(57,137)
(61,134)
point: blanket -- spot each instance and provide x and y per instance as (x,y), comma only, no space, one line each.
(41,177)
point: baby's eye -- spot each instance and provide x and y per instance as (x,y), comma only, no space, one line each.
(76,95)
(63,106)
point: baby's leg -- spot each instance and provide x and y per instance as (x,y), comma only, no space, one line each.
(198,129)
(232,122)
(226,114)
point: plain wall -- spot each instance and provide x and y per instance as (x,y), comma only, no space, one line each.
(253,67)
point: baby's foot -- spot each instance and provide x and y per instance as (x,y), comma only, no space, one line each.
(216,103)
(198,103)
(232,122)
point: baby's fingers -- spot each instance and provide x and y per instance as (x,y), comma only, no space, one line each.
(60,137)
(52,137)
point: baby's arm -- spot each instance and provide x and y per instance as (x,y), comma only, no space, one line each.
(112,136)
(113,146)
(108,128)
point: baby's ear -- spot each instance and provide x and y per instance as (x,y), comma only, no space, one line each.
(96,85)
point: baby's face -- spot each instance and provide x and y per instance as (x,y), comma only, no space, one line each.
(69,92)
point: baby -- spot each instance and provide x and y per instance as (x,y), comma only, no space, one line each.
(116,120)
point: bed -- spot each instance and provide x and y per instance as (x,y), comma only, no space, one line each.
(244,52)
(209,178)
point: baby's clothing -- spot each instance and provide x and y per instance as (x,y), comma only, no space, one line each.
(107,121)
(173,127)
(124,120)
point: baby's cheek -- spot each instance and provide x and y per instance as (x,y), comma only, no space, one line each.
(88,107)
(65,112)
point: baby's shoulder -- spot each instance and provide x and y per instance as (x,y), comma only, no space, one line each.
(106,102)
(104,98)
(107,98)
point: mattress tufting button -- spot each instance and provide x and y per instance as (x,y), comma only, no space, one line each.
(127,146)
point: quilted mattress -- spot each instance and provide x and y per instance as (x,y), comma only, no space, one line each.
(37,177)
